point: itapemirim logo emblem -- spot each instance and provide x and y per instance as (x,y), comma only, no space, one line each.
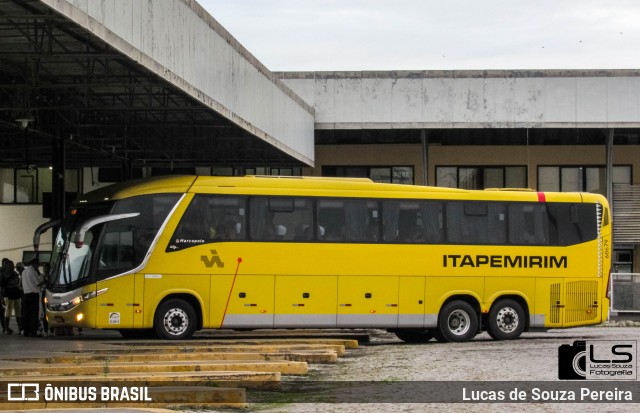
(213,260)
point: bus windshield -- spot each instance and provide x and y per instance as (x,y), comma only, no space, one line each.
(111,247)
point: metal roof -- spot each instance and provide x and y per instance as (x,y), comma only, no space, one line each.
(59,81)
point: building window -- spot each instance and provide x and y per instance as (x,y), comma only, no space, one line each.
(26,186)
(294,171)
(34,185)
(580,178)
(481,177)
(384,174)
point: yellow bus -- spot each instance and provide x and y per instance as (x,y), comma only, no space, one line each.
(172,255)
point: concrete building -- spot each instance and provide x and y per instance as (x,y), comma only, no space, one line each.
(136,88)
(547,130)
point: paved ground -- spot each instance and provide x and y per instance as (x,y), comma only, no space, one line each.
(532,358)
(386,359)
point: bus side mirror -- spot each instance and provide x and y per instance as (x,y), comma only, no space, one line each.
(42,228)
(78,240)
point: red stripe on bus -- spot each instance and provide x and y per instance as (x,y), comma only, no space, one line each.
(226,307)
(541,197)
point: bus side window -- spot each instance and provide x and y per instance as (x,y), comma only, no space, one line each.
(528,224)
(497,223)
(361,221)
(210,218)
(431,219)
(476,222)
(331,218)
(408,230)
(193,225)
(281,219)
(349,220)
(117,249)
(575,222)
(412,222)
(225,218)
(460,226)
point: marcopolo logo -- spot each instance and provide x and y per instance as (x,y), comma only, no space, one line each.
(598,360)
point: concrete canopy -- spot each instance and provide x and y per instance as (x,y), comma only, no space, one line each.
(69,73)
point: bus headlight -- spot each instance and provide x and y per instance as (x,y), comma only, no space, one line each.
(75,301)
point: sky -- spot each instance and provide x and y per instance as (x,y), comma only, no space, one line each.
(320,35)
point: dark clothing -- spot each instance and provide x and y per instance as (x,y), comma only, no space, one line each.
(30,310)
(43,315)
(10,282)
(2,320)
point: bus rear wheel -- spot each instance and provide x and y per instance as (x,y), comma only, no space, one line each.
(457,322)
(175,319)
(414,335)
(506,320)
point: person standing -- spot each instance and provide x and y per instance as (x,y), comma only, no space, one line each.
(46,272)
(12,293)
(2,321)
(31,298)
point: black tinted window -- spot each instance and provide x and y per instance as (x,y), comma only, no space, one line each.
(572,223)
(476,223)
(412,222)
(210,218)
(283,219)
(348,220)
(528,224)
(126,242)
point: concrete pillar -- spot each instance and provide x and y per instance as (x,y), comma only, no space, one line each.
(425,156)
(58,207)
(609,173)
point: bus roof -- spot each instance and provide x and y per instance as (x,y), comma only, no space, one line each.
(329,186)
(162,184)
(306,183)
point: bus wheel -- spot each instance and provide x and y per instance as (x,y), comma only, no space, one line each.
(506,320)
(414,335)
(458,322)
(175,320)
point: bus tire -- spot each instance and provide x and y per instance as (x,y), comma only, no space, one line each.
(458,321)
(175,319)
(137,333)
(506,320)
(414,335)
(438,336)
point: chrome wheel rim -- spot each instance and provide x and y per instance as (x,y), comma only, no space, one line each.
(459,322)
(507,319)
(176,321)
